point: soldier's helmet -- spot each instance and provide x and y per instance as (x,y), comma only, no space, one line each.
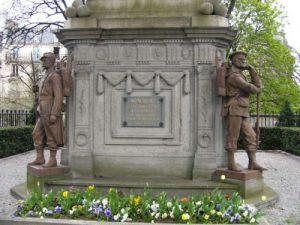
(49,55)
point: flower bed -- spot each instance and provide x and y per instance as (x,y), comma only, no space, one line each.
(119,207)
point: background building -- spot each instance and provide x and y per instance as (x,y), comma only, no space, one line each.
(18,65)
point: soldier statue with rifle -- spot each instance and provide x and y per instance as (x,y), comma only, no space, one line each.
(55,84)
(236,92)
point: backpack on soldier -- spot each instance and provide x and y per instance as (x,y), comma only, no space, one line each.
(65,70)
(222,73)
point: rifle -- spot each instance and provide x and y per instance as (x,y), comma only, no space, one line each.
(257,120)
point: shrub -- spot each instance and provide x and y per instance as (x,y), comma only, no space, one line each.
(282,138)
(286,117)
(278,138)
(15,140)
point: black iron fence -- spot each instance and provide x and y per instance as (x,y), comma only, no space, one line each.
(271,119)
(14,118)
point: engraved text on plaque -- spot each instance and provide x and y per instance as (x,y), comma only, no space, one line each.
(143,111)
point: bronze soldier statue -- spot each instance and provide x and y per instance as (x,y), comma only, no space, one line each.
(49,127)
(236,109)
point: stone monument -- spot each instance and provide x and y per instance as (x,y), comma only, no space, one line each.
(144,101)
(144,106)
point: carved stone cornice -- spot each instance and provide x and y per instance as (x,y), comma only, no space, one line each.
(220,35)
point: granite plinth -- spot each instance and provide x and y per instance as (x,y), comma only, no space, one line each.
(39,170)
(250,182)
(37,175)
(242,175)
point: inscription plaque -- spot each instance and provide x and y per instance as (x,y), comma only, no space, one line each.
(143,111)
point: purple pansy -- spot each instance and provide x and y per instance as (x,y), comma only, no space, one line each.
(107,212)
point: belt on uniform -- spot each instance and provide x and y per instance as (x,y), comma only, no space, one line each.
(45,97)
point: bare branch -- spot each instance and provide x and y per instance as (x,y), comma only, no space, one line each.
(230,8)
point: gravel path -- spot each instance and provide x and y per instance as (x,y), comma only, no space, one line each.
(283,176)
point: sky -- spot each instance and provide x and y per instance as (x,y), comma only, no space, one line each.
(292,29)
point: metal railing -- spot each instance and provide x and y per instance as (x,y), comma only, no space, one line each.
(270,119)
(13,118)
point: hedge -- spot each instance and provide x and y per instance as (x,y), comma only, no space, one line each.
(279,138)
(15,140)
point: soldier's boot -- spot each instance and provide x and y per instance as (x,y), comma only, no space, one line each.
(40,159)
(231,162)
(52,160)
(253,165)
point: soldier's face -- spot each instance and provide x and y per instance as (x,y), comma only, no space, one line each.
(47,62)
(239,60)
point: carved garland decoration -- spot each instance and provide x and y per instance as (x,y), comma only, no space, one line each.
(115,78)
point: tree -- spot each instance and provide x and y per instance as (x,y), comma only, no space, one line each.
(286,118)
(34,17)
(259,32)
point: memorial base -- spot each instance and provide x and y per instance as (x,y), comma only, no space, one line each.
(250,182)
(37,175)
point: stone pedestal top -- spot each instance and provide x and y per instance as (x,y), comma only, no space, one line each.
(243,175)
(40,171)
(113,14)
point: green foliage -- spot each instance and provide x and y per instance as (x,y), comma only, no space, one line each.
(214,207)
(298,120)
(15,140)
(286,117)
(32,116)
(280,138)
(259,32)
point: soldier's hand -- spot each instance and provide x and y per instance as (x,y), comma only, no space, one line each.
(249,67)
(53,119)
(35,88)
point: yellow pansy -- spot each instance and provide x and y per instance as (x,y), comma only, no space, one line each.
(185,216)
(206,217)
(65,194)
(91,187)
(137,200)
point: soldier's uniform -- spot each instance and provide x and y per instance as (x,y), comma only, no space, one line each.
(49,104)
(236,108)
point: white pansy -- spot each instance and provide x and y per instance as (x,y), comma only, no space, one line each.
(199,203)
(252,220)
(45,210)
(104,202)
(245,213)
(164,215)
(116,217)
(169,204)
(172,214)
(180,207)
(71,212)
(157,215)
(125,216)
